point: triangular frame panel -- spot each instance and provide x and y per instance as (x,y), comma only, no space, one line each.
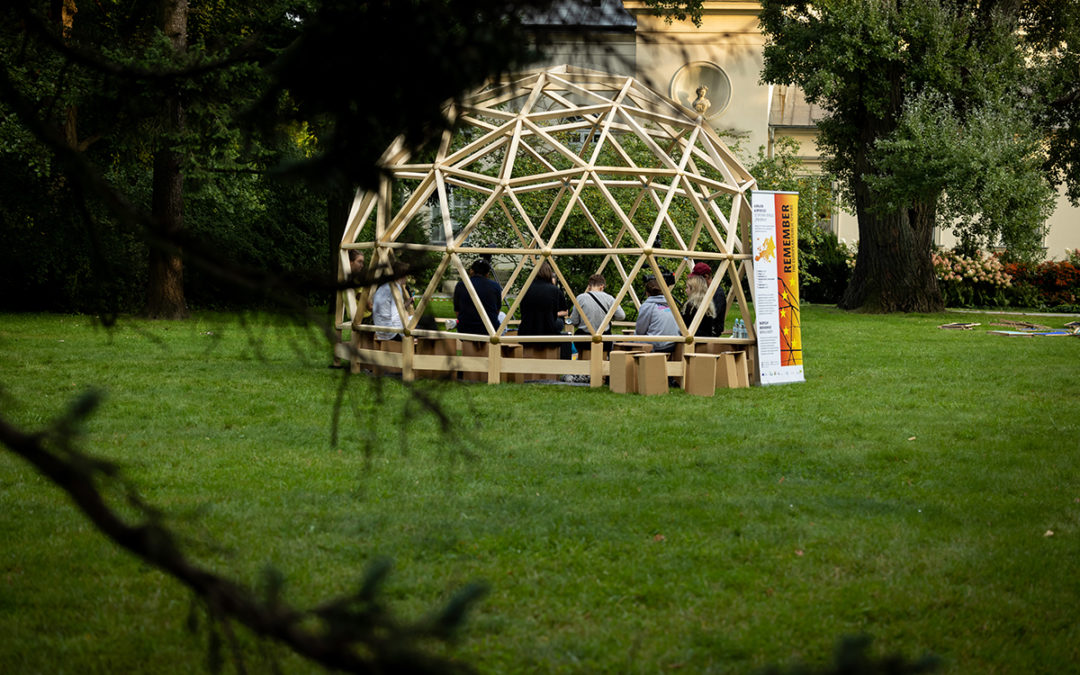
(542,154)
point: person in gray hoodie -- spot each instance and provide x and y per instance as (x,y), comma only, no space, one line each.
(656,318)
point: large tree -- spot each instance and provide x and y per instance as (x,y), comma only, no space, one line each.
(198,95)
(165,290)
(927,126)
(937,114)
(143,100)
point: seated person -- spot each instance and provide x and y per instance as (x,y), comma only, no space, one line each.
(356,266)
(696,289)
(543,307)
(719,298)
(427,318)
(655,317)
(595,303)
(384,311)
(355,278)
(489,292)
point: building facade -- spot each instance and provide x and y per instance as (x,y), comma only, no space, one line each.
(726,54)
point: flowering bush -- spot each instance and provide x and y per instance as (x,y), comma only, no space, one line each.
(1054,282)
(1073,256)
(978,281)
(851,251)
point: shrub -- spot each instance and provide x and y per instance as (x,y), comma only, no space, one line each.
(1053,283)
(979,280)
(827,269)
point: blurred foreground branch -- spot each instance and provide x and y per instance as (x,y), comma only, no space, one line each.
(353,633)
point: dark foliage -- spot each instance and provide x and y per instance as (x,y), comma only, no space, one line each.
(828,270)
(311,90)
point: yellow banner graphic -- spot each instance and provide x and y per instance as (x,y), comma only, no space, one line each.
(787,278)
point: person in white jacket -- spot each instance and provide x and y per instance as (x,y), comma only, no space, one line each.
(384,311)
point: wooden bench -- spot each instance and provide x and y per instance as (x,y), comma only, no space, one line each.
(638,372)
(652,373)
(444,347)
(507,350)
(631,347)
(545,352)
(622,374)
(733,365)
(392,346)
(360,340)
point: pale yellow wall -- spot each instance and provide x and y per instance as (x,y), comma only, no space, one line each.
(1064,229)
(729,38)
(614,54)
(847,227)
(807,150)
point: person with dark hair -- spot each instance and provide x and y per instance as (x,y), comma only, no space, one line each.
(543,307)
(719,298)
(655,317)
(356,265)
(595,303)
(354,276)
(489,292)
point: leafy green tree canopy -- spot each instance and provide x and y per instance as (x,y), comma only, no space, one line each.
(98,97)
(939,113)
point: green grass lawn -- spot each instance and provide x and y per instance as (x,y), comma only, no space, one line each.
(907,490)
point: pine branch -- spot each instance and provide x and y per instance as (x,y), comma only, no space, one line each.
(352,634)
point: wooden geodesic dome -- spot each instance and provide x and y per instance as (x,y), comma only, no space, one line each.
(587,170)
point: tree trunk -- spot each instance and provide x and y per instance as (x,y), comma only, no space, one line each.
(894,271)
(165,289)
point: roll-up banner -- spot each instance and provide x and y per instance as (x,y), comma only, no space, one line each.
(776,286)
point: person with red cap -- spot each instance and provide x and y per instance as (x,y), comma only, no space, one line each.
(719,298)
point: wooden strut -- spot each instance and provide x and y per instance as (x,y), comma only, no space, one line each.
(538,115)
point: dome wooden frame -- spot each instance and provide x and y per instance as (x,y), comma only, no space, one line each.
(574,125)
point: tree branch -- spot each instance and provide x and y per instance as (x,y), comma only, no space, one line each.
(249,51)
(353,634)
